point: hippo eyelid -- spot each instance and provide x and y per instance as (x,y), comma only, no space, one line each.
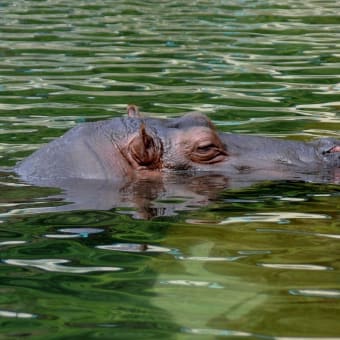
(207,152)
(206,147)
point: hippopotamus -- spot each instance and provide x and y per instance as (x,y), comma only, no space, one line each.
(159,166)
(134,146)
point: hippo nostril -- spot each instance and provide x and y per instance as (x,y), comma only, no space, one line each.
(333,149)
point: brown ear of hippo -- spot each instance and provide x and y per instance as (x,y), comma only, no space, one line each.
(133,111)
(144,150)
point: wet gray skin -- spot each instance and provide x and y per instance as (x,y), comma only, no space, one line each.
(133,159)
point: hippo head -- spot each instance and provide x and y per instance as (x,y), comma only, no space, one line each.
(191,143)
(141,147)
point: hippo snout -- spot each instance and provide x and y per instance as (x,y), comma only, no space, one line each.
(329,148)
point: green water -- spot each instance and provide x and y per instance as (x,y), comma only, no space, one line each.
(258,262)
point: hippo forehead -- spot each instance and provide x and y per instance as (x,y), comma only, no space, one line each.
(189,120)
(126,126)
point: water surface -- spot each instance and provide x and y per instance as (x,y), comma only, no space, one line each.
(256,262)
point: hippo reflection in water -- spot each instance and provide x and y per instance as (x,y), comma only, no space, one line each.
(136,159)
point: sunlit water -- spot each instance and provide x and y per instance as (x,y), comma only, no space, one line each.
(258,262)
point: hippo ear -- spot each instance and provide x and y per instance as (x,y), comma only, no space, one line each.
(133,111)
(145,150)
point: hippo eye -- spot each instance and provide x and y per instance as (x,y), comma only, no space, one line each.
(207,153)
(206,148)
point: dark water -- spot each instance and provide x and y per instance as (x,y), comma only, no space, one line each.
(258,262)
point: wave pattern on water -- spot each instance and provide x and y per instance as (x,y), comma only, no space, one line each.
(227,270)
(234,61)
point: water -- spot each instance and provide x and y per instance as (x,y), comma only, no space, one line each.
(258,262)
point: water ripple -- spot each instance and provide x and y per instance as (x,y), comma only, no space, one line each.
(277,217)
(263,67)
(135,248)
(19,315)
(324,293)
(81,54)
(56,265)
(75,232)
(216,332)
(192,283)
(294,266)
(298,232)
(211,258)
(11,243)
